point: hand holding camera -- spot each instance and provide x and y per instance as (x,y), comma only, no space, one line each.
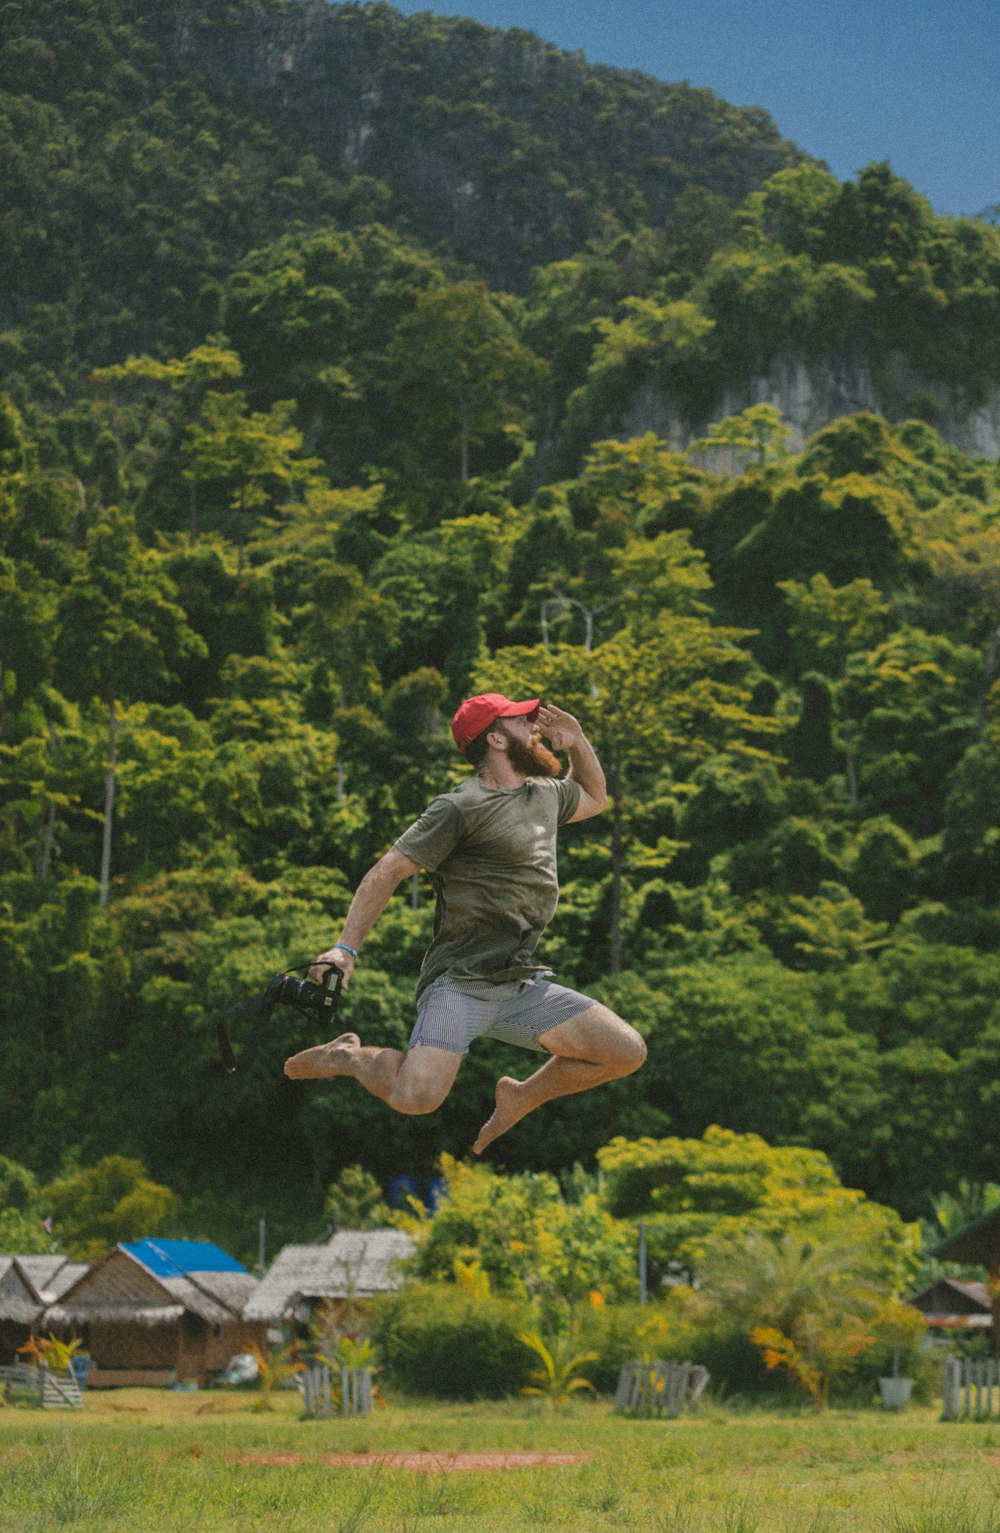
(342,958)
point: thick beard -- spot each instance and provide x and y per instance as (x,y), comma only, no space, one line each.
(534,760)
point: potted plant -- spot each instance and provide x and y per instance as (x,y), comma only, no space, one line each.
(899,1328)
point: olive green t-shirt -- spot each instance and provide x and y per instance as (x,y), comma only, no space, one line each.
(491,855)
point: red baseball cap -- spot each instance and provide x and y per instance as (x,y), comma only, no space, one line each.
(478,713)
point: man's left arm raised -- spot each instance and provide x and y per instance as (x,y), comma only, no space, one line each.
(565,733)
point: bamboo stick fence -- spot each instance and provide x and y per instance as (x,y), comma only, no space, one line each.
(660,1389)
(53,1388)
(316,1386)
(971,1389)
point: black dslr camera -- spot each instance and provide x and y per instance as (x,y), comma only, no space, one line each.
(303,994)
(287,989)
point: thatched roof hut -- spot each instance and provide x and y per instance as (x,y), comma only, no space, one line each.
(50,1276)
(18,1299)
(352,1266)
(158,1312)
(27,1285)
(20,1307)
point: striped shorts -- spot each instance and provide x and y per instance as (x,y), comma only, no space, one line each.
(451,1012)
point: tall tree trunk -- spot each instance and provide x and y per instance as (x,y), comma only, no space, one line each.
(617,866)
(193,510)
(464,448)
(109,802)
(48,843)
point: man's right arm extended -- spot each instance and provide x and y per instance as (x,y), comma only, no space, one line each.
(371,897)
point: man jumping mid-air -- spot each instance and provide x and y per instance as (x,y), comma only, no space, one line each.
(490,849)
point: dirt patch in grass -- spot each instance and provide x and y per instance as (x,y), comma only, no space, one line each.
(424,1463)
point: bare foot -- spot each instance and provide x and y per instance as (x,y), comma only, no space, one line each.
(324,1059)
(507,1112)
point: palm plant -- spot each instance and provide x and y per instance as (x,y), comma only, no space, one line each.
(473,1277)
(809,1307)
(558,1376)
(274,1368)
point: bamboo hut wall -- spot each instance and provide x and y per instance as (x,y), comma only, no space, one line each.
(123,1345)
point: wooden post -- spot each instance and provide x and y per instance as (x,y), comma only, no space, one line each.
(952,1406)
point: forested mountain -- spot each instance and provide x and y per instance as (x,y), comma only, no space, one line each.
(184,134)
(285,473)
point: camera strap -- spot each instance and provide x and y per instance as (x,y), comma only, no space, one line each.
(260,1008)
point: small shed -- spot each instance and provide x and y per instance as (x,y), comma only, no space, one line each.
(961,1305)
(340,1274)
(979,1243)
(159,1312)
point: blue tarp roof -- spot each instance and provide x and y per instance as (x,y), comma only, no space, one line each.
(171,1258)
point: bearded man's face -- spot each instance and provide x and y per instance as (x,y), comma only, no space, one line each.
(531,757)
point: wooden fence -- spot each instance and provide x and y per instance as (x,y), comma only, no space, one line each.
(54,1388)
(660,1389)
(971,1389)
(316,1386)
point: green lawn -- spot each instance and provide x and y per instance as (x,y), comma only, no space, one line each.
(148,1461)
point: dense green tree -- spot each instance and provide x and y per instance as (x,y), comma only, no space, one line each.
(849,529)
(313,316)
(524,1237)
(964,592)
(702,1197)
(444,586)
(971,840)
(255,456)
(758,434)
(461,371)
(188,380)
(805,1077)
(232,612)
(653,339)
(23,1227)
(354,1201)
(26,608)
(831,623)
(916,700)
(884,865)
(114,1200)
(119,630)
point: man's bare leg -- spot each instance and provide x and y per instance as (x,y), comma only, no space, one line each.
(589,1049)
(414,1081)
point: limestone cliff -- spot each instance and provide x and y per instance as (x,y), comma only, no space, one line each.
(812,393)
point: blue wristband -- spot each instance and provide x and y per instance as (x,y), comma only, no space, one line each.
(345,949)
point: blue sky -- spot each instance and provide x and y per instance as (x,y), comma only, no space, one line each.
(915,82)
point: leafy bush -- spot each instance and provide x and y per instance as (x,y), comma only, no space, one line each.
(440,1340)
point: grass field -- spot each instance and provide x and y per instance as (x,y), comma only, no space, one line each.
(149,1460)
